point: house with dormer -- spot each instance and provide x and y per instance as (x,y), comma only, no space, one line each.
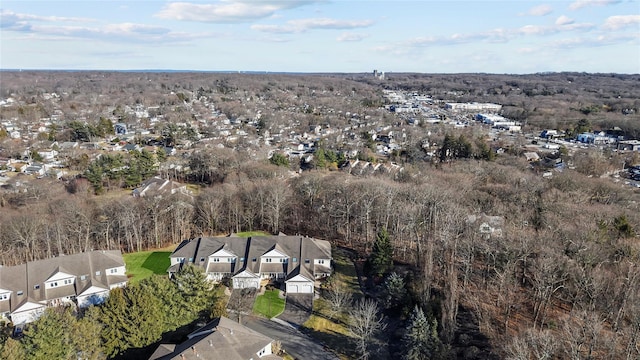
(296,261)
(26,290)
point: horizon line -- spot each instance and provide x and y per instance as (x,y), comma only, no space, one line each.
(255,72)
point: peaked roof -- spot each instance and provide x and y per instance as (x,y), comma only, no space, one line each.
(85,269)
(296,248)
(222,338)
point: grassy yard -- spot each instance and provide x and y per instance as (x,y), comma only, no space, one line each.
(143,264)
(252,233)
(269,304)
(334,332)
(345,273)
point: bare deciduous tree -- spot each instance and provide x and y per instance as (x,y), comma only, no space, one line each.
(338,297)
(366,323)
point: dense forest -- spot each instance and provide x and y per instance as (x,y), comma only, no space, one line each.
(561,280)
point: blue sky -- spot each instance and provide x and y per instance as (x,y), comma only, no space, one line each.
(322,36)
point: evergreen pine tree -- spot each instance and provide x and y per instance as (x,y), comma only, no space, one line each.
(381,258)
(420,340)
(143,323)
(49,337)
(395,291)
(85,337)
(112,314)
(173,306)
(13,350)
(195,290)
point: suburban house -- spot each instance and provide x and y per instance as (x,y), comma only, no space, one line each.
(220,339)
(86,278)
(296,260)
(157,186)
(487,225)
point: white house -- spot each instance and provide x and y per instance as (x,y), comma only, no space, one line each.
(297,261)
(85,278)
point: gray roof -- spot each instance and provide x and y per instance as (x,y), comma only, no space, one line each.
(87,268)
(220,339)
(247,249)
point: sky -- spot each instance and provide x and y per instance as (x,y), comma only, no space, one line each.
(351,36)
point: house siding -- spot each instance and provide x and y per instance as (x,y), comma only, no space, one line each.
(267,257)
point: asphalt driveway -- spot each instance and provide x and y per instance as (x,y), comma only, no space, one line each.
(295,343)
(297,309)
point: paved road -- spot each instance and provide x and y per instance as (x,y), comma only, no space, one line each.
(294,342)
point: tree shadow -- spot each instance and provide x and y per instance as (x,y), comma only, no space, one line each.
(158,262)
(333,341)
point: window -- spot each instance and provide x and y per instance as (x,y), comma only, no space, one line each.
(98,273)
(216,259)
(4,296)
(241,259)
(181,260)
(201,259)
(254,259)
(190,259)
(83,277)
(267,260)
(306,261)
(54,284)
(19,293)
(228,259)
(320,261)
(68,281)
(113,271)
(36,286)
(295,259)
(284,261)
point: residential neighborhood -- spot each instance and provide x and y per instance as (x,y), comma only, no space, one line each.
(82,280)
(254,261)
(450,216)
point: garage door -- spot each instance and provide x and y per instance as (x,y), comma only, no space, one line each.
(307,289)
(292,289)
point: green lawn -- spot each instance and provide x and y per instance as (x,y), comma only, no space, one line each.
(252,233)
(334,332)
(269,304)
(143,264)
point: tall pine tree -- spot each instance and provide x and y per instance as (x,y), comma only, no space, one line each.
(420,341)
(49,337)
(381,258)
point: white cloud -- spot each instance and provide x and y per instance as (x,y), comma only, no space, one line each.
(579,4)
(49,27)
(303,25)
(500,35)
(561,26)
(601,40)
(325,23)
(7,15)
(540,10)
(227,11)
(564,20)
(349,36)
(23,22)
(620,21)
